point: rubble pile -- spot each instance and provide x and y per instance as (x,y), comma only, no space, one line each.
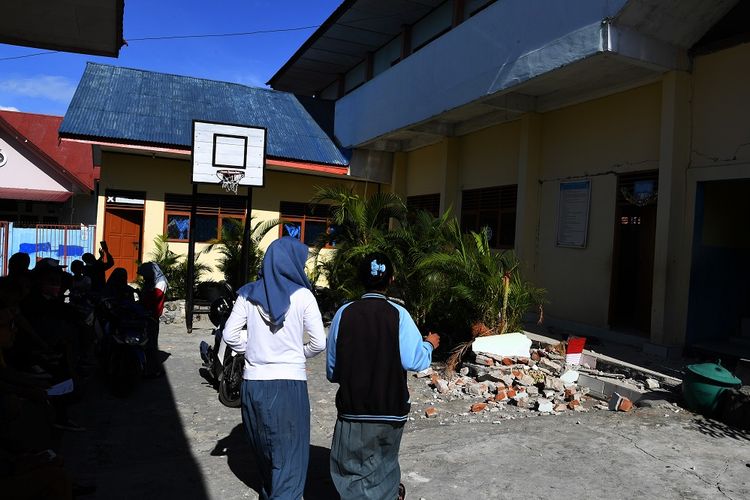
(541,382)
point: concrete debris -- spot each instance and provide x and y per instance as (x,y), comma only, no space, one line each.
(652,384)
(425,373)
(569,377)
(544,405)
(620,403)
(536,380)
(507,345)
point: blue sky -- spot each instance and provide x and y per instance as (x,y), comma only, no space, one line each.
(46,83)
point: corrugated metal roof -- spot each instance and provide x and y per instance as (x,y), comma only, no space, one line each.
(144,107)
(71,159)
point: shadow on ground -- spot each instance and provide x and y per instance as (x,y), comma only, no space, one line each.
(319,485)
(716,429)
(135,447)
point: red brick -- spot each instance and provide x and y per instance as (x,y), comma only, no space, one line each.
(625,405)
(507,361)
(434,379)
(478,407)
(430,412)
(501,395)
(510,393)
(573,404)
(523,361)
(517,373)
(570,393)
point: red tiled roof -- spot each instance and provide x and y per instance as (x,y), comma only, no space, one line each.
(72,159)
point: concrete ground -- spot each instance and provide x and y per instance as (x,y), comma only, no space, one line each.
(173,439)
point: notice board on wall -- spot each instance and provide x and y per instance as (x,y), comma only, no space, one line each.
(573,205)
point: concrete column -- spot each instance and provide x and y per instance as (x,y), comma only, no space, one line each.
(398,176)
(672,251)
(450,195)
(527,205)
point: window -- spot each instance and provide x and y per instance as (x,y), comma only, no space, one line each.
(308,223)
(212,217)
(494,208)
(427,202)
(432,26)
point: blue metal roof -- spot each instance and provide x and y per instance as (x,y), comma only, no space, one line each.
(132,105)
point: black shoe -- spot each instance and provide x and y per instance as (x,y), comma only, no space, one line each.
(401,491)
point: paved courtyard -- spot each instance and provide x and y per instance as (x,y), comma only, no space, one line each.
(173,439)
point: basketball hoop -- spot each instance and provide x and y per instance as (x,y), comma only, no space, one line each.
(230,179)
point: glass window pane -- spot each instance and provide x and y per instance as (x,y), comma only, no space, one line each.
(206,227)
(178,226)
(231,228)
(314,232)
(291,228)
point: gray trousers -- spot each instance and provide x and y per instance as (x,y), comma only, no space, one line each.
(364,460)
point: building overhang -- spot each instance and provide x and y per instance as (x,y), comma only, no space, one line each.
(277,164)
(85,26)
(485,88)
(34,194)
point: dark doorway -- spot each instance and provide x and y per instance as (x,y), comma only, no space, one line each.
(633,253)
(719,307)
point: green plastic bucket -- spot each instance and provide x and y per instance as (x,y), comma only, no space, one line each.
(704,383)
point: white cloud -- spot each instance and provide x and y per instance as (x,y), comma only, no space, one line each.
(53,88)
(8,108)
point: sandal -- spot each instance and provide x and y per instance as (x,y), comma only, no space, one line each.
(401,491)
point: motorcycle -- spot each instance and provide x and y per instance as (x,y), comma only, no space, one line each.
(222,366)
(122,334)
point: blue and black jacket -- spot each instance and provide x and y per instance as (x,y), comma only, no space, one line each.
(372,342)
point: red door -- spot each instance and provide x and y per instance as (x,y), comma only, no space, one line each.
(122,232)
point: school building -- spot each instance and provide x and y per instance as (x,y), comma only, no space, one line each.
(140,124)
(606,141)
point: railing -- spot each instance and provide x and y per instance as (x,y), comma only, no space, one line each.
(65,243)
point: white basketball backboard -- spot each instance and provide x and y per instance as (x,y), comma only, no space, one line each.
(220,147)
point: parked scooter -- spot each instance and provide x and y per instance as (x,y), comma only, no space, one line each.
(222,366)
(122,334)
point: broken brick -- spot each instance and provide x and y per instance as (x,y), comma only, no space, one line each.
(625,405)
(535,356)
(430,412)
(478,407)
(501,395)
(572,404)
(560,407)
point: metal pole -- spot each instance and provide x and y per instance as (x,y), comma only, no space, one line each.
(190,278)
(247,236)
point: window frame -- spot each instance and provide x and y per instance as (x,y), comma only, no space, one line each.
(499,211)
(203,208)
(304,218)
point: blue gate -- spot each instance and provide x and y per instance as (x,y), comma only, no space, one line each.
(64,243)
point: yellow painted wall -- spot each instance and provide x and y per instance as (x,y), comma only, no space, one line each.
(615,133)
(157,176)
(489,157)
(425,170)
(721,107)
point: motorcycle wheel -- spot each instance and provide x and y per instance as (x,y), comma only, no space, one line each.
(231,383)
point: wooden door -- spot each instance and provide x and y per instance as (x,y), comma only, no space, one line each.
(122,231)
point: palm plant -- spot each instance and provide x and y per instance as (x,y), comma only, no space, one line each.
(360,226)
(420,235)
(229,247)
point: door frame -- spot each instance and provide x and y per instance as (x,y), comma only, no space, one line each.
(116,199)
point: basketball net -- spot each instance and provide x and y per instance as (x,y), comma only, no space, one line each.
(230,179)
